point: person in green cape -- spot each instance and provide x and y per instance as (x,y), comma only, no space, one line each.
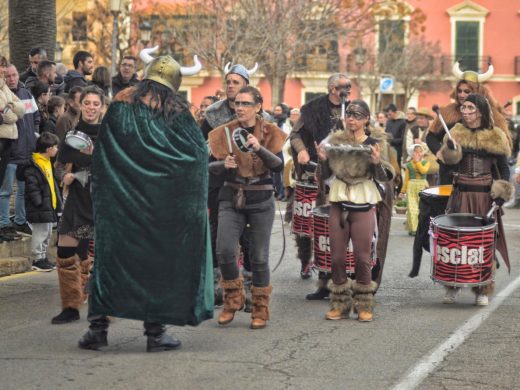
(149,179)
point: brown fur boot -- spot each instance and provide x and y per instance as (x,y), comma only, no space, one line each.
(260,313)
(364,300)
(340,300)
(69,276)
(234,299)
(86,266)
(482,293)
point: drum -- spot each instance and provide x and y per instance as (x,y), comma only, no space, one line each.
(463,249)
(305,195)
(78,140)
(432,202)
(321,244)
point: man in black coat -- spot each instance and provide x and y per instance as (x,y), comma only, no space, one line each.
(396,128)
(126,77)
(83,66)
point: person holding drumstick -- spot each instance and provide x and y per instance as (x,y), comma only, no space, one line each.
(353,196)
(246,198)
(478,150)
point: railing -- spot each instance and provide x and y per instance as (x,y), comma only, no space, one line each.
(320,63)
(475,63)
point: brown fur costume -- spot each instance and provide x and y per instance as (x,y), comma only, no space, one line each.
(249,165)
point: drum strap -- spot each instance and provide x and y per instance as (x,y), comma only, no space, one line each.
(472,188)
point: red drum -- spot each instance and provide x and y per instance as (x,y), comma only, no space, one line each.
(463,249)
(321,246)
(305,195)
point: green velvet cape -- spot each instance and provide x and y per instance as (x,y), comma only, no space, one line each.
(149,193)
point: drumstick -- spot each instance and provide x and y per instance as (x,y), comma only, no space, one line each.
(228,139)
(343,96)
(437,110)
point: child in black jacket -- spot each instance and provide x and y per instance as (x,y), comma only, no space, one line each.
(42,198)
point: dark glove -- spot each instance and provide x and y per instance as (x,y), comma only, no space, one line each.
(450,144)
(499,201)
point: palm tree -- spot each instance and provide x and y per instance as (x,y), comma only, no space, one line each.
(32,23)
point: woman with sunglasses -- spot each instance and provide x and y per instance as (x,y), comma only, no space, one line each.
(478,153)
(353,196)
(246,198)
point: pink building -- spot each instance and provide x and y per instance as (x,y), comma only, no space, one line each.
(475,31)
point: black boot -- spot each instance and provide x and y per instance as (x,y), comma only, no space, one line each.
(93,339)
(322,292)
(157,340)
(67,315)
(96,336)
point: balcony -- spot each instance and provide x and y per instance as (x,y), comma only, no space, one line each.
(320,63)
(475,63)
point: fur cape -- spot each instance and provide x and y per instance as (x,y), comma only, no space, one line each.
(493,141)
(269,135)
(355,167)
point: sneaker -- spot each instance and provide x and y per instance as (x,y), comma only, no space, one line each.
(9,234)
(24,228)
(451,294)
(42,265)
(481,300)
(52,265)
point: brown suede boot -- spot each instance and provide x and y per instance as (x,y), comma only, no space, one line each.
(234,299)
(260,313)
(340,300)
(364,300)
(86,266)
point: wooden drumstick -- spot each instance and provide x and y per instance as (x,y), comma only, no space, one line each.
(438,111)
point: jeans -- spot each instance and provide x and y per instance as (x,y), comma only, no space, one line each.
(41,235)
(6,191)
(231,225)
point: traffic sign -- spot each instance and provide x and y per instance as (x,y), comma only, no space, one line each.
(386,84)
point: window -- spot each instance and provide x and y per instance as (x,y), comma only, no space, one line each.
(391,36)
(79,26)
(467,44)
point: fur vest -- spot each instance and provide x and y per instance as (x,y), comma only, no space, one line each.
(269,135)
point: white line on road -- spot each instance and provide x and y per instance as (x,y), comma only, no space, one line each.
(429,363)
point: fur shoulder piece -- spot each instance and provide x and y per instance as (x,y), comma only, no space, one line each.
(493,141)
(341,137)
(126,95)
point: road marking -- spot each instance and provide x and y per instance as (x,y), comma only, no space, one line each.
(16,276)
(429,363)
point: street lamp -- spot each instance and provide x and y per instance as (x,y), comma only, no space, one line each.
(360,56)
(58,52)
(145,32)
(116,6)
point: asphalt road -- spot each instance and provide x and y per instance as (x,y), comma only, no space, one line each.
(414,342)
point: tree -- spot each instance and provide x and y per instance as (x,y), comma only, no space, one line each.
(4,28)
(31,24)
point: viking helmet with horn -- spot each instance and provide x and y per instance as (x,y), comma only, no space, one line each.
(165,70)
(472,76)
(240,70)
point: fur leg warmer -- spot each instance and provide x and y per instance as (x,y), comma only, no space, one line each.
(364,296)
(69,277)
(234,296)
(488,289)
(261,302)
(341,296)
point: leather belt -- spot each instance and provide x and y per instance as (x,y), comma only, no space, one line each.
(472,188)
(259,187)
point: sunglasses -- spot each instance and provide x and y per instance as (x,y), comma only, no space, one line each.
(343,86)
(356,115)
(244,104)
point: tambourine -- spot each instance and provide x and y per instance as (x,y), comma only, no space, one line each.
(347,149)
(78,140)
(240,139)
